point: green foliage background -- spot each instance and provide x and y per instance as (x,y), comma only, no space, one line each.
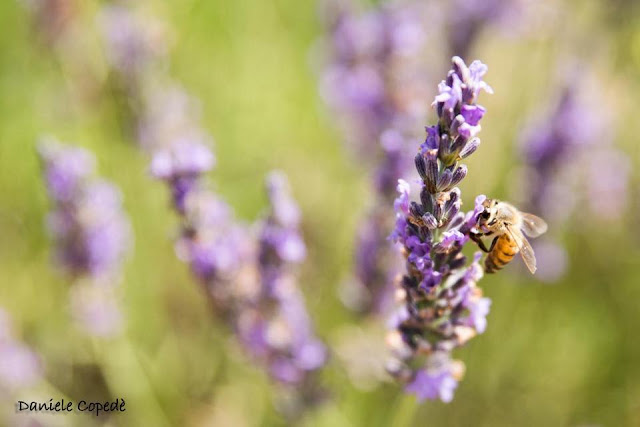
(561,354)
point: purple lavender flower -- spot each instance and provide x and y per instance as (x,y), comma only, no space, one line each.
(286,339)
(248,281)
(376,77)
(97,309)
(52,18)
(442,306)
(465,20)
(181,164)
(575,128)
(132,43)
(275,326)
(376,80)
(91,233)
(170,116)
(438,380)
(20,367)
(220,251)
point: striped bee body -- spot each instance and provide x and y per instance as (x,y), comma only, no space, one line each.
(502,253)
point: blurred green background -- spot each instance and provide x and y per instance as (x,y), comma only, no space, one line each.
(560,354)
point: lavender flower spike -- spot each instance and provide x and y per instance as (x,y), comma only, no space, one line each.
(442,307)
(276,328)
(20,367)
(375,80)
(91,233)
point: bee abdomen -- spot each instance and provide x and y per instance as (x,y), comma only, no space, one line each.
(502,253)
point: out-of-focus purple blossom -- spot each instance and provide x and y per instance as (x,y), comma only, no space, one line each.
(181,164)
(132,41)
(466,19)
(570,160)
(91,233)
(51,17)
(442,307)
(20,367)
(275,327)
(97,310)
(219,250)
(608,172)
(170,117)
(247,280)
(552,260)
(571,126)
(179,147)
(66,171)
(438,380)
(376,79)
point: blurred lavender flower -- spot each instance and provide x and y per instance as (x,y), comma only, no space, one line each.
(467,19)
(135,49)
(133,42)
(181,165)
(578,129)
(442,306)
(377,77)
(247,280)
(275,326)
(170,116)
(575,128)
(220,251)
(20,367)
(90,231)
(51,18)
(96,308)
(375,80)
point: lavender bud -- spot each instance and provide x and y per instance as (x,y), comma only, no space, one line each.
(445,180)
(437,211)
(416,210)
(457,122)
(421,166)
(427,199)
(430,221)
(432,171)
(452,206)
(458,144)
(470,148)
(458,175)
(457,220)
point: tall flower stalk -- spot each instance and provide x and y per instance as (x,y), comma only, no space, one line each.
(91,234)
(275,326)
(248,278)
(375,80)
(442,306)
(574,127)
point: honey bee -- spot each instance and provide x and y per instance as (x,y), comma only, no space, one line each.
(507,224)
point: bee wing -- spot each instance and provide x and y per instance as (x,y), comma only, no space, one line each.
(526,250)
(532,225)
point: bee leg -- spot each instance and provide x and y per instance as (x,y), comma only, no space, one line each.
(476,238)
(495,240)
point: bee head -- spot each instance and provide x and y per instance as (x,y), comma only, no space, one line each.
(488,211)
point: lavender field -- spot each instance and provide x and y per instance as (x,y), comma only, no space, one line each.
(319,213)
